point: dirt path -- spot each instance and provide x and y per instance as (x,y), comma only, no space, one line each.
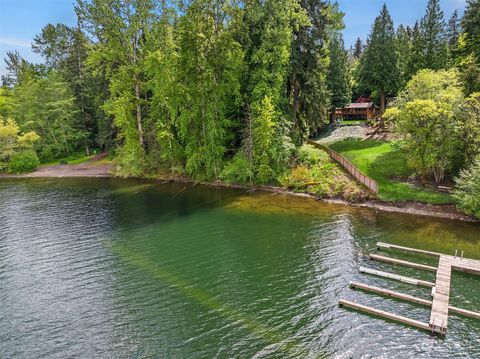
(97,166)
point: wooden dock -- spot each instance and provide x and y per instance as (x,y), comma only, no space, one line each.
(439,304)
(384,314)
(402,263)
(394,276)
(410,298)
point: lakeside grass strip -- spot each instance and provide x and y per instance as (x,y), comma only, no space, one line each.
(385,162)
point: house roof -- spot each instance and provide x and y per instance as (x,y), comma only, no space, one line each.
(363,99)
(360,105)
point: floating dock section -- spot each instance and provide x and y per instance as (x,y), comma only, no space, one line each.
(439,304)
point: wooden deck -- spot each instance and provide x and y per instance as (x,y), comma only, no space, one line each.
(441,296)
(440,307)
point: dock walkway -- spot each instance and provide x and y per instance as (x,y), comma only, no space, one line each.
(440,307)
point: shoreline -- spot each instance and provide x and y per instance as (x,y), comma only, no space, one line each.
(446,211)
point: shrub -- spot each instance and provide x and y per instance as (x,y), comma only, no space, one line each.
(467,190)
(265,174)
(130,161)
(23,162)
(310,156)
(326,180)
(237,170)
(297,179)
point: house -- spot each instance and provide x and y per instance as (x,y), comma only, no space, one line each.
(357,111)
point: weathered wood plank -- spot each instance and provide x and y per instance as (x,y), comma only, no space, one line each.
(407,249)
(440,307)
(390,293)
(412,299)
(439,315)
(464,312)
(384,314)
(400,278)
(402,262)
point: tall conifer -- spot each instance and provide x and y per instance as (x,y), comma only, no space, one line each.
(379,67)
(434,37)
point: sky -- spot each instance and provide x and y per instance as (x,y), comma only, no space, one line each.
(21,20)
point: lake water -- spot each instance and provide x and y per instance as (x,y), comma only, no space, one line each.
(104,268)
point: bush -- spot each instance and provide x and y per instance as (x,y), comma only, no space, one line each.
(237,170)
(311,156)
(130,161)
(326,180)
(23,162)
(467,191)
(297,179)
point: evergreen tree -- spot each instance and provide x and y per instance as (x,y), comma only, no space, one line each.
(453,31)
(471,27)
(65,50)
(358,48)
(379,67)
(404,48)
(417,58)
(308,95)
(270,26)
(338,75)
(435,47)
(17,68)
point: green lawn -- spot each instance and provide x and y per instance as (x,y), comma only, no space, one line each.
(384,161)
(73,159)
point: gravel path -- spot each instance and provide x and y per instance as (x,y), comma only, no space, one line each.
(342,133)
(97,166)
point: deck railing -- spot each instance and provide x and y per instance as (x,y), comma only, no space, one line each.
(354,171)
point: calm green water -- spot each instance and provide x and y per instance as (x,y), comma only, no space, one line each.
(124,269)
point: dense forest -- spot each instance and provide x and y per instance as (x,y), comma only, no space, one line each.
(229,90)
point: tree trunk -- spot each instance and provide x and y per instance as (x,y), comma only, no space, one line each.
(382,102)
(382,108)
(296,110)
(137,92)
(332,115)
(139,112)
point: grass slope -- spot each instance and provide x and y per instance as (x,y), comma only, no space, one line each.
(383,161)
